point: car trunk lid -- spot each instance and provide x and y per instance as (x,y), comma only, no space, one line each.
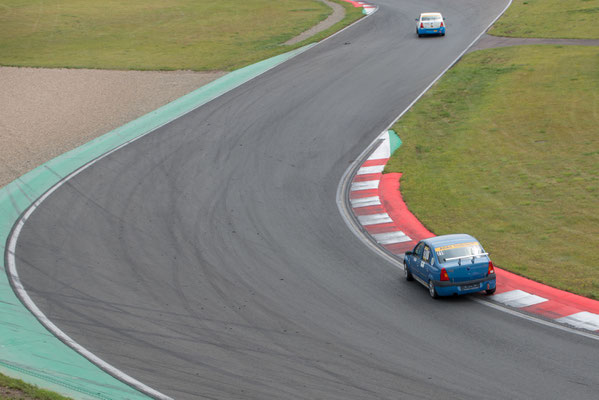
(467,269)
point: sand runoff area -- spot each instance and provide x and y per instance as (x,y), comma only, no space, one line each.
(46,112)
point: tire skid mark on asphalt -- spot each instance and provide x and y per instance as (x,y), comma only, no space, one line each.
(42,359)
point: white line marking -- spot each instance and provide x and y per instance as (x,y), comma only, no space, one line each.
(374,219)
(448,67)
(583,320)
(391,237)
(365,202)
(341,205)
(33,308)
(22,293)
(384,149)
(375,169)
(518,298)
(551,324)
(347,27)
(348,216)
(365,185)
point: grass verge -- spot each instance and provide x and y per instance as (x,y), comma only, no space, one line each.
(506,147)
(16,389)
(199,35)
(571,19)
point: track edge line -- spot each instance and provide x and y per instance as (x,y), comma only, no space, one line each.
(10,249)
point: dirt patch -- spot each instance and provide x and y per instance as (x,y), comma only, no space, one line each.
(337,15)
(8,393)
(46,112)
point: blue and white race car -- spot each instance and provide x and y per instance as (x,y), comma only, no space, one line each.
(430,23)
(450,265)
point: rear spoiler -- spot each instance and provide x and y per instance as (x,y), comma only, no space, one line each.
(462,257)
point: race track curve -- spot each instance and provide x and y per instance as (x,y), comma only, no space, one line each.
(209,259)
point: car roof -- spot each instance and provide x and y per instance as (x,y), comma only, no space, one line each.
(430,14)
(445,240)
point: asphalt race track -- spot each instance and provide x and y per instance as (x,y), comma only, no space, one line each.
(209,258)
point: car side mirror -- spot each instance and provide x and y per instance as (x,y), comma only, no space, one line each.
(416,19)
(409,253)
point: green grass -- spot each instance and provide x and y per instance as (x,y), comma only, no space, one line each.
(201,35)
(506,147)
(22,390)
(572,19)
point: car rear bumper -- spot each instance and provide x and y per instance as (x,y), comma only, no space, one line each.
(434,31)
(445,288)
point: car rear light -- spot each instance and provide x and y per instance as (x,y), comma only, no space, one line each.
(444,276)
(421,25)
(491,268)
(441,24)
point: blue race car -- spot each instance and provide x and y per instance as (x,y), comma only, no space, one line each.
(450,265)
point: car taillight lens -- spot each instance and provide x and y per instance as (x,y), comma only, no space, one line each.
(491,268)
(441,24)
(421,25)
(444,276)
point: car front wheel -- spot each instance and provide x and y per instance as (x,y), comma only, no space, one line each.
(431,290)
(490,291)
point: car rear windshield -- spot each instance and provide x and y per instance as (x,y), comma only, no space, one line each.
(458,250)
(429,18)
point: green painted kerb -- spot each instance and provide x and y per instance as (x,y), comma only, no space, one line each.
(394,141)
(28,351)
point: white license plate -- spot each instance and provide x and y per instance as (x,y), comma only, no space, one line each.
(468,287)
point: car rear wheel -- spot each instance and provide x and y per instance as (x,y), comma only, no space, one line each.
(407,272)
(490,291)
(431,290)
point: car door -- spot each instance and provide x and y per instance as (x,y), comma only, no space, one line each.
(426,263)
(411,258)
(416,265)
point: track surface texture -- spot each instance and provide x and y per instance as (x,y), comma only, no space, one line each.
(209,258)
